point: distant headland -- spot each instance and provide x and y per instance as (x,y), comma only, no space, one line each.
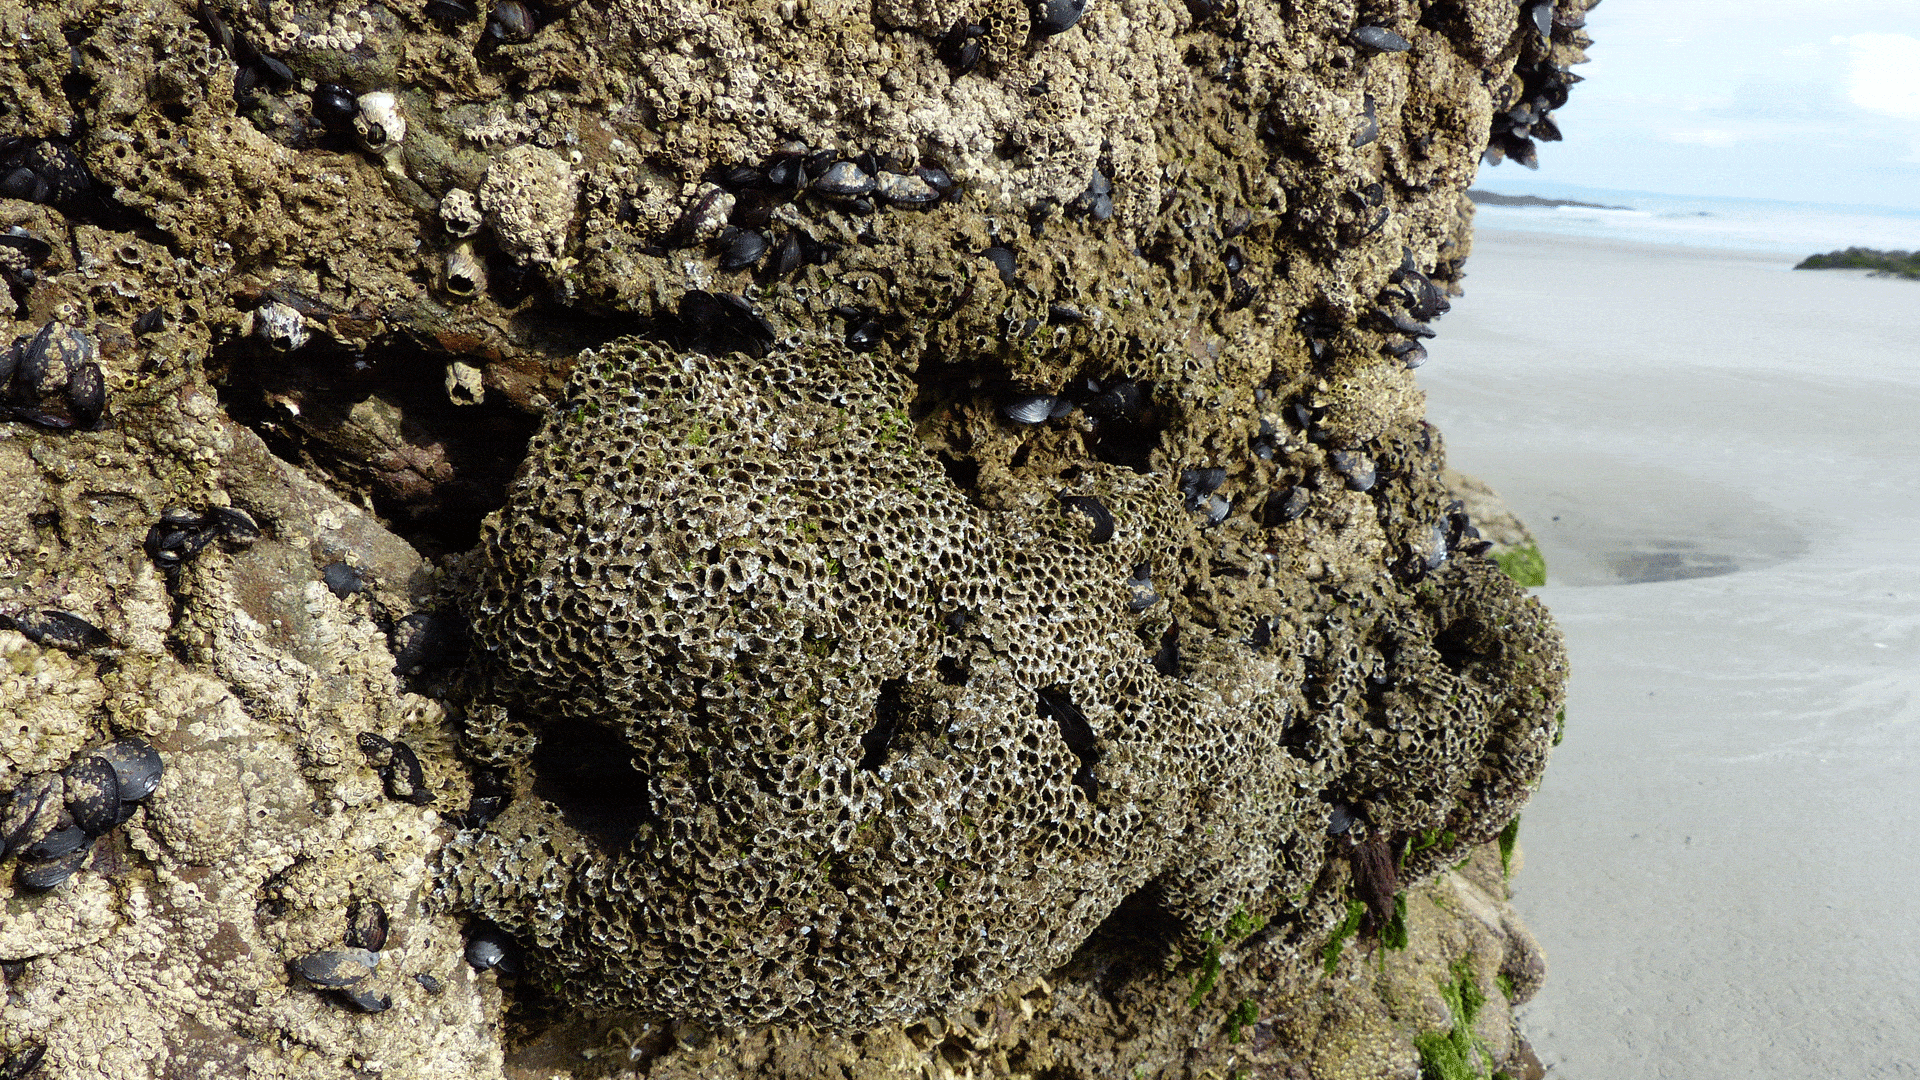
(1489,198)
(1904,264)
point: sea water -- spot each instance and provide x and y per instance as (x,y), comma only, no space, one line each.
(1794,228)
(1721,458)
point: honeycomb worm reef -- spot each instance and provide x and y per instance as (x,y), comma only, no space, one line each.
(755,537)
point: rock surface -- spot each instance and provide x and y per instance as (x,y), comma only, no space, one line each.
(808,697)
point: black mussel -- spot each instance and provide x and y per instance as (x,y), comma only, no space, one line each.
(171,545)
(57,844)
(1142,585)
(1404,323)
(427,982)
(784,170)
(1052,17)
(1233,259)
(1340,820)
(511,21)
(20,1064)
(447,14)
(378,750)
(787,256)
(86,396)
(1369,126)
(48,362)
(273,70)
(1095,509)
(1410,353)
(336,968)
(1281,507)
(39,875)
(405,780)
(1101,208)
(488,949)
(939,179)
(1436,548)
(1124,400)
(905,192)
(1541,14)
(1002,260)
(1064,315)
(1356,467)
(740,248)
(865,337)
(738,178)
(819,161)
(718,323)
(57,629)
(1243,293)
(1029,408)
(34,811)
(35,249)
(93,794)
(342,580)
(1097,201)
(137,767)
(216,28)
(1380,39)
(364,999)
(1217,509)
(961,47)
(843,180)
(23,183)
(1197,484)
(1522,151)
(1166,659)
(335,106)
(367,925)
(860,207)
(490,796)
(426,639)
(1545,130)
(234,523)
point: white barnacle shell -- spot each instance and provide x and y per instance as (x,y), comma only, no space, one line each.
(380,125)
(465,276)
(281,326)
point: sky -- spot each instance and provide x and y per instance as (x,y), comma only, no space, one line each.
(1805,100)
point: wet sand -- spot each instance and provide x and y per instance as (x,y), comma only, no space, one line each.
(1721,458)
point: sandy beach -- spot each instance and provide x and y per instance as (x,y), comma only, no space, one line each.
(1720,458)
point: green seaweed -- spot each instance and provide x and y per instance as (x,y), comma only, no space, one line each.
(1394,934)
(1455,1054)
(1349,926)
(1508,836)
(1245,1014)
(1524,565)
(1559,725)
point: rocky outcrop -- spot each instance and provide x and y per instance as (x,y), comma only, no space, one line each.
(980,592)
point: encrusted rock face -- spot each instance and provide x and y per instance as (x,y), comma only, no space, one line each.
(990,532)
(993,562)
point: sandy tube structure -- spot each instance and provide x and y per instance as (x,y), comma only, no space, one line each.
(755,539)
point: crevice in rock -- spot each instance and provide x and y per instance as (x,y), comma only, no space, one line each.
(587,772)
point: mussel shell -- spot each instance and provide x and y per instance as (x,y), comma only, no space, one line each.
(367,925)
(39,876)
(364,999)
(1380,39)
(742,249)
(235,522)
(906,192)
(35,249)
(405,780)
(336,106)
(489,949)
(336,968)
(86,395)
(865,337)
(136,765)
(57,844)
(843,180)
(1095,509)
(93,794)
(1052,17)
(1196,484)
(427,982)
(1029,408)
(32,812)
(57,629)
(21,1063)
(378,750)
(1002,260)
(342,580)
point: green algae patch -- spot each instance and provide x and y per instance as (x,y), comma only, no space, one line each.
(1524,565)
(1349,926)
(1508,837)
(1455,1054)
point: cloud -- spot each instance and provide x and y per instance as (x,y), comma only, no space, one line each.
(1702,137)
(1883,76)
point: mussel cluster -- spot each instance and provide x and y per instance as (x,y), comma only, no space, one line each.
(181,534)
(51,820)
(1520,118)
(1407,307)
(739,203)
(51,379)
(42,171)
(399,769)
(56,629)
(344,971)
